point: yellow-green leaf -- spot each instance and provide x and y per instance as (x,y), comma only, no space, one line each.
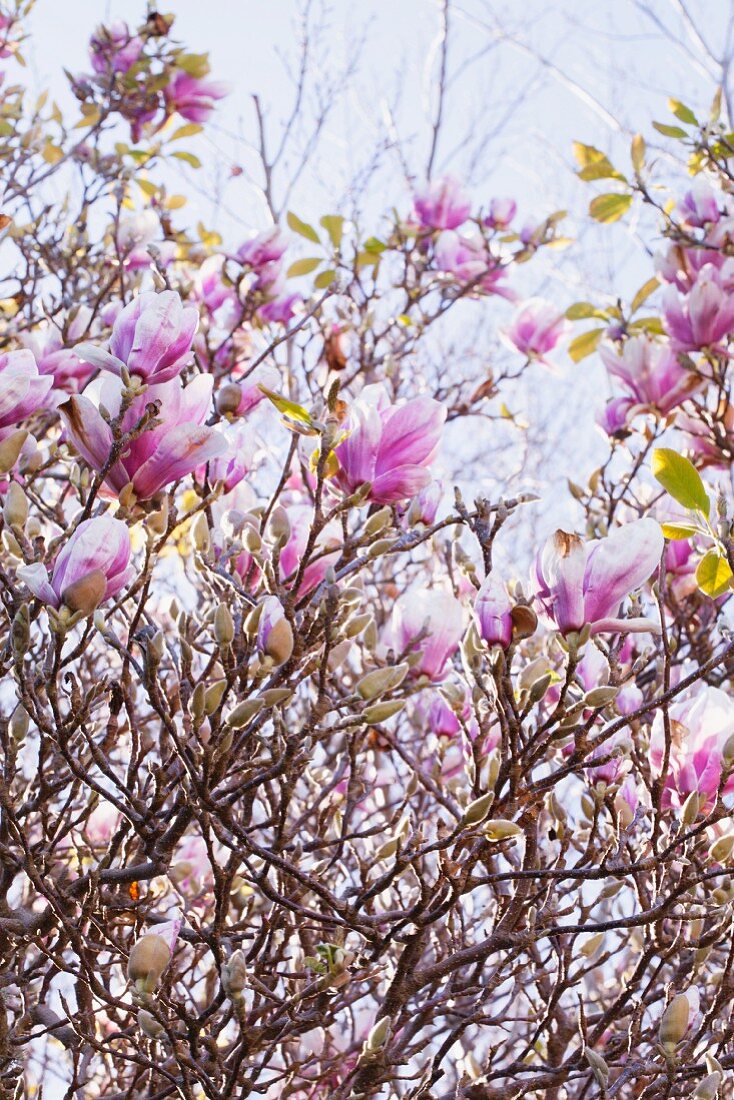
(685,114)
(585,344)
(637,152)
(610,207)
(582,311)
(303,267)
(288,408)
(324,279)
(644,293)
(190,158)
(681,479)
(189,130)
(301,227)
(713,574)
(593,164)
(334,226)
(678,530)
(670,131)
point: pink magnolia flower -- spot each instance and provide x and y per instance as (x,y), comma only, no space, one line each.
(151,338)
(91,567)
(705,316)
(650,372)
(389,447)
(68,370)
(537,329)
(274,632)
(501,213)
(282,306)
(680,566)
(442,204)
(616,767)
(701,724)
(325,553)
(583,583)
(178,443)
(194,99)
(467,258)
(236,462)
(263,249)
(700,204)
(492,611)
(441,616)
(23,390)
(424,505)
(614,417)
(114,49)
(209,285)
(135,233)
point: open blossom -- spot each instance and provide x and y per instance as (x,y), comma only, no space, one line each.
(442,204)
(650,372)
(114,49)
(194,99)
(389,446)
(263,249)
(178,443)
(151,338)
(22,389)
(537,328)
(701,724)
(700,204)
(235,463)
(467,258)
(584,583)
(493,612)
(501,213)
(209,285)
(436,614)
(54,357)
(91,567)
(282,304)
(705,316)
(135,233)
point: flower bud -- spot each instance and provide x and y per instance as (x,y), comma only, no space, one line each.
(149,957)
(19,722)
(213,696)
(674,1023)
(380,712)
(228,399)
(379,521)
(234,975)
(10,449)
(279,526)
(21,632)
(274,632)
(500,829)
(197,703)
(15,509)
(708,1088)
(243,712)
(223,625)
(381,680)
(87,593)
(721,849)
(148,1024)
(200,535)
(477,810)
(379,1035)
(599,1067)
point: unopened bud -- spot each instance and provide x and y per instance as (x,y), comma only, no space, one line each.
(19,722)
(10,449)
(228,399)
(86,594)
(279,526)
(213,696)
(524,622)
(223,625)
(149,957)
(200,535)
(243,712)
(21,632)
(600,696)
(500,829)
(379,521)
(477,810)
(379,1035)
(599,1067)
(275,697)
(15,509)
(381,680)
(708,1088)
(234,975)
(157,521)
(721,849)
(196,704)
(380,712)
(674,1023)
(148,1024)
(691,808)
(279,641)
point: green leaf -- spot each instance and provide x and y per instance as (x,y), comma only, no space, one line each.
(644,292)
(585,344)
(670,131)
(190,158)
(685,114)
(364,259)
(610,207)
(681,479)
(148,188)
(678,530)
(189,130)
(324,279)
(194,64)
(334,226)
(288,408)
(583,311)
(713,574)
(301,227)
(374,244)
(303,267)
(593,164)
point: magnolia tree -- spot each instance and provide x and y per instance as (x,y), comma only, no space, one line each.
(300,796)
